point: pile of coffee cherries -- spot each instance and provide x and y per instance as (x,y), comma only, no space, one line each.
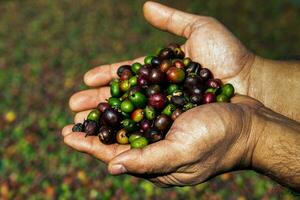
(148,97)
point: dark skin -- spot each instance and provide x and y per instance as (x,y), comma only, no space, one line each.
(219,137)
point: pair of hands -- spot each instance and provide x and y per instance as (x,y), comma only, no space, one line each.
(202,142)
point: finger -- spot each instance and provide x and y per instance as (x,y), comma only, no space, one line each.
(92,145)
(67,129)
(81,116)
(161,157)
(88,99)
(103,74)
(172,20)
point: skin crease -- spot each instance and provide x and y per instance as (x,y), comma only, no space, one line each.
(219,137)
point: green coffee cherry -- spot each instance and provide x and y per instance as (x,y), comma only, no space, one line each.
(227,90)
(168,110)
(172,88)
(138,99)
(139,143)
(133,81)
(115,88)
(127,106)
(148,60)
(94,115)
(133,137)
(211,90)
(124,85)
(149,113)
(129,125)
(135,67)
(222,98)
(114,102)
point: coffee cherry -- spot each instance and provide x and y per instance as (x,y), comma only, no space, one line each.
(222,98)
(188,106)
(124,85)
(142,81)
(149,113)
(106,135)
(139,143)
(193,68)
(127,106)
(134,136)
(214,83)
(211,90)
(205,74)
(122,137)
(191,81)
(111,117)
(176,113)
(133,81)
(138,99)
(154,135)
(115,88)
(209,98)
(137,115)
(144,71)
(166,53)
(78,127)
(173,46)
(148,59)
(126,74)
(129,125)
(122,68)
(156,76)
(178,64)
(172,88)
(94,115)
(90,127)
(178,101)
(155,61)
(165,65)
(103,106)
(186,61)
(135,67)
(162,122)
(145,125)
(157,101)
(178,53)
(114,102)
(227,90)
(153,89)
(134,89)
(175,75)
(168,110)
(196,98)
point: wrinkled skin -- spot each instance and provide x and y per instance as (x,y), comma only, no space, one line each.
(202,142)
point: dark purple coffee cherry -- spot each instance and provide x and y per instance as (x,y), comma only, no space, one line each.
(192,80)
(197,90)
(90,127)
(214,83)
(122,68)
(145,125)
(173,46)
(126,74)
(78,127)
(176,113)
(162,122)
(166,53)
(144,71)
(155,61)
(196,98)
(178,101)
(157,101)
(103,106)
(106,135)
(156,76)
(205,74)
(142,81)
(153,89)
(154,135)
(193,68)
(111,117)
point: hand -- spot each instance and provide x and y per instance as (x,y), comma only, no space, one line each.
(202,142)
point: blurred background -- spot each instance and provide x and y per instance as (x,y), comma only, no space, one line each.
(45,48)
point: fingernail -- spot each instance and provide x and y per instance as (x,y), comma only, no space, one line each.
(117,169)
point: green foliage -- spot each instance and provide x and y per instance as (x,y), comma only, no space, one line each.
(45,48)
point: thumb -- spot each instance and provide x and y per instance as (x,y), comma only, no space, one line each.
(160,157)
(169,19)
